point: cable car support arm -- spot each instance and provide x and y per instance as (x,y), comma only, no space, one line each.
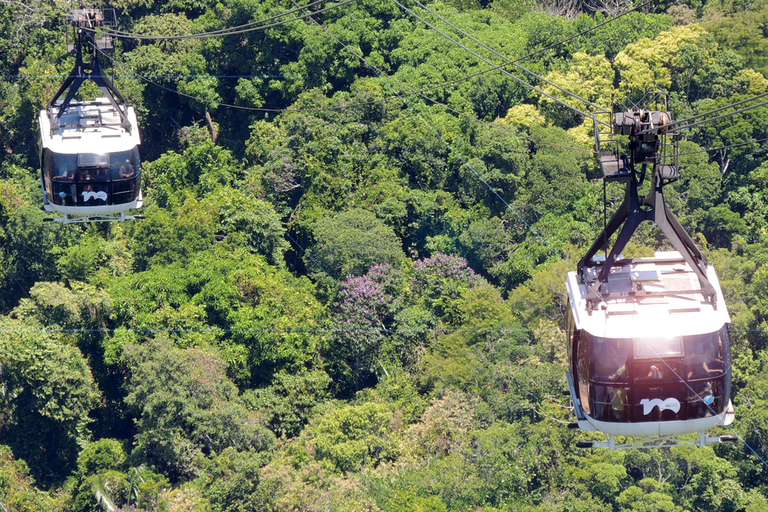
(84,22)
(647,147)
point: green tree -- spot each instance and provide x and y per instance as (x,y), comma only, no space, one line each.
(232,481)
(19,490)
(744,32)
(668,61)
(261,316)
(355,436)
(636,500)
(28,245)
(289,401)
(185,408)
(49,394)
(163,238)
(350,242)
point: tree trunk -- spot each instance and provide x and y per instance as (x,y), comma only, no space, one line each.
(211,126)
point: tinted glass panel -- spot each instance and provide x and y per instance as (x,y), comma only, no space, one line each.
(64,166)
(100,179)
(670,379)
(658,347)
(610,403)
(123,164)
(609,359)
(92,160)
(705,356)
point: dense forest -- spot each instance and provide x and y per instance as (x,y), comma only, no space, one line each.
(348,290)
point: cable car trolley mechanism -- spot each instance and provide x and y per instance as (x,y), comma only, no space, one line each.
(90,166)
(648,345)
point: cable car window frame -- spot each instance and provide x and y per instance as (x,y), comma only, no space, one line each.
(620,372)
(62,164)
(619,401)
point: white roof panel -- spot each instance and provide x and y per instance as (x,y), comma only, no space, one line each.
(649,299)
(89,127)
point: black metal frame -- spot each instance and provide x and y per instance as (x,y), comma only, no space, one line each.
(85,22)
(636,208)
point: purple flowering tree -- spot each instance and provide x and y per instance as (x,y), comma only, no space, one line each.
(440,279)
(384,314)
(365,311)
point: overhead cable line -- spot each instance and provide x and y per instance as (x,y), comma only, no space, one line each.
(420,92)
(211,33)
(681,124)
(507,59)
(586,31)
(428,89)
(718,148)
(524,57)
(237,31)
(504,71)
(350,105)
(720,109)
(380,74)
(233,30)
(723,116)
(493,68)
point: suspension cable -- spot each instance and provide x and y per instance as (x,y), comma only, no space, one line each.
(504,71)
(351,105)
(676,125)
(435,132)
(507,59)
(232,30)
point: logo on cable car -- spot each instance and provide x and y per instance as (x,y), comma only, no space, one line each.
(670,403)
(94,195)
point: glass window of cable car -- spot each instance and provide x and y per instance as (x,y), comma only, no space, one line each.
(655,348)
(62,167)
(609,359)
(609,375)
(126,172)
(707,371)
(91,179)
(705,355)
(90,160)
(581,368)
(59,176)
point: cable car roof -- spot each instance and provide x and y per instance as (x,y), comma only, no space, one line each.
(658,297)
(89,127)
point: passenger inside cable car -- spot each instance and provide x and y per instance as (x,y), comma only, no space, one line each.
(653,379)
(92,179)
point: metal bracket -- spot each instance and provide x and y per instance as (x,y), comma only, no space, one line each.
(83,219)
(649,149)
(85,22)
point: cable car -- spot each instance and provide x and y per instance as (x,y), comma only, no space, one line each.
(90,165)
(653,360)
(649,354)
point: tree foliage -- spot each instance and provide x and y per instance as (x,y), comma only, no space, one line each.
(347,293)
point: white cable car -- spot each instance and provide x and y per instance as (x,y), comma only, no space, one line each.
(648,346)
(90,163)
(652,360)
(90,166)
